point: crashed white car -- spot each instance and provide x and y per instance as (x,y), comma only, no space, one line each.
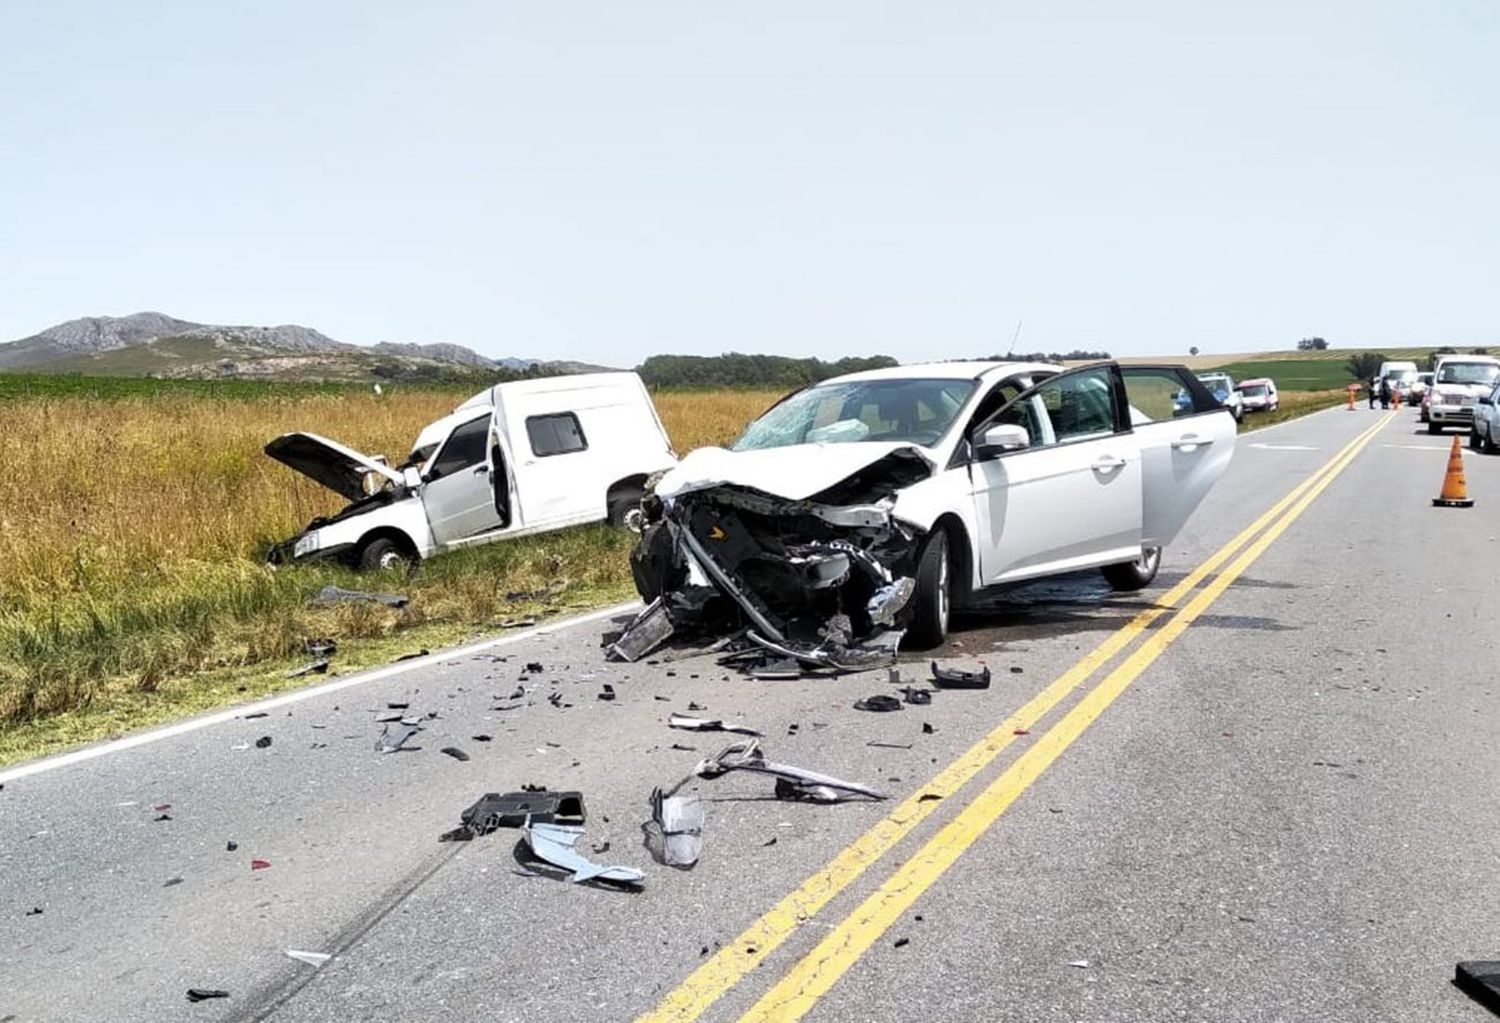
(862,509)
(518,458)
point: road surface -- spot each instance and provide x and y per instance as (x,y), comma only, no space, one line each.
(1263,789)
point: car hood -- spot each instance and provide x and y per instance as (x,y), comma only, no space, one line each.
(338,468)
(1473,389)
(795,472)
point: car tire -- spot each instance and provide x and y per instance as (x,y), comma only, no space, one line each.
(1134,575)
(624,501)
(383,553)
(1474,438)
(932,601)
(1434,427)
(1490,447)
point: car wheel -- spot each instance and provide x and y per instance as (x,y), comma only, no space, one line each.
(932,602)
(1489,441)
(382,553)
(1474,438)
(1433,427)
(1134,575)
(625,506)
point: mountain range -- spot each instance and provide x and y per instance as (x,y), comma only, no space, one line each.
(154,344)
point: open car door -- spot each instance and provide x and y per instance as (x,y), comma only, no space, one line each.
(1185,445)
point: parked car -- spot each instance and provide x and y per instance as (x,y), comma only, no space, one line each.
(867,506)
(1259,395)
(1484,435)
(1419,389)
(518,458)
(1458,382)
(1221,386)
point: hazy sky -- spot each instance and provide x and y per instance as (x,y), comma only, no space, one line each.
(607,180)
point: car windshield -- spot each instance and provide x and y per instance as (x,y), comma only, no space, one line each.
(1253,390)
(1468,373)
(1402,374)
(907,411)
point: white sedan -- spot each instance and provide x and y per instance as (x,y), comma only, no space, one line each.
(863,508)
(1484,432)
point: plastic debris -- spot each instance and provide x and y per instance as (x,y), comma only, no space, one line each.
(889,745)
(916,697)
(554,843)
(649,630)
(675,834)
(413,655)
(880,702)
(512,809)
(747,756)
(310,958)
(954,678)
(203,994)
(1480,980)
(391,741)
(454,752)
(607,693)
(1079,964)
(260,864)
(318,667)
(264,742)
(693,724)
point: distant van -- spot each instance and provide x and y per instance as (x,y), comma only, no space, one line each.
(522,457)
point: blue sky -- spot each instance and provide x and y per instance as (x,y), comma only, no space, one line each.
(604,181)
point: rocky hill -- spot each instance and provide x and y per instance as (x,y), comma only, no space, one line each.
(157,345)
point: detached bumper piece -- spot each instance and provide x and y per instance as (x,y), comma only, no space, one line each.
(817,583)
(1480,980)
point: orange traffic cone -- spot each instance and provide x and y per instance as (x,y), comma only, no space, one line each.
(1352,389)
(1455,491)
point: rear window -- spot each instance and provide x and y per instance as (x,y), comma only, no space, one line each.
(558,434)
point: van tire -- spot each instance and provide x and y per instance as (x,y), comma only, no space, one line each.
(622,502)
(383,553)
(932,602)
(1134,575)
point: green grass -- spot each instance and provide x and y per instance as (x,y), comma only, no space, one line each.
(105,388)
(1294,374)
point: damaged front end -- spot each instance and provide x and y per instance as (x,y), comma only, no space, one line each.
(825,580)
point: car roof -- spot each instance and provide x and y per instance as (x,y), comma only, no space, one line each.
(1258,380)
(957,370)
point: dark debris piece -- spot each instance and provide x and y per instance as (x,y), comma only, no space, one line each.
(901,943)
(879,702)
(607,693)
(927,729)
(203,994)
(512,809)
(1480,980)
(916,697)
(339,595)
(256,714)
(37,911)
(320,647)
(454,752)
(264,742)
(172,882)
(317,667)
(535,667)
(423,652)
(955,678)
(392,705)
(481,738)
(231,845)
(162,817)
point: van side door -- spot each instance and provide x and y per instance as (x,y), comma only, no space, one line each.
(558,479)
(456,493)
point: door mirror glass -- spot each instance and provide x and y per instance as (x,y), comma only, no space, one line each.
(1002,437)
(1486,401)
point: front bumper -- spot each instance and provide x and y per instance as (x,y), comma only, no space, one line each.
(1458,415)
(285,553)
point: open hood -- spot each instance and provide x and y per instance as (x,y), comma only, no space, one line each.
(338,468)
(795,472)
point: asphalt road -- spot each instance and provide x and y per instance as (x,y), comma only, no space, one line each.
(1276,800)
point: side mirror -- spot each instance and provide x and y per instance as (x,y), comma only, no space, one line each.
(1000,438)
(412,477)
(1486,401)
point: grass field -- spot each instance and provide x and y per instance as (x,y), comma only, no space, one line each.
(132,587)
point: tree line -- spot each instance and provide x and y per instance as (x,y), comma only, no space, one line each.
(735,369)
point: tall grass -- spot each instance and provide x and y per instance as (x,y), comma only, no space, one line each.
(132,536)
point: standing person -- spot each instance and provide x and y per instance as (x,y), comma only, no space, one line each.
(1385,392)
(1374,391)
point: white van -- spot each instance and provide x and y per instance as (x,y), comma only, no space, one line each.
(519,458)
(1458,382)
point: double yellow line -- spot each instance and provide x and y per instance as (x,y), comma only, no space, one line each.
(813,975)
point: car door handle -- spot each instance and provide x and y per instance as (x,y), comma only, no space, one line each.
(1107,463)
(481,470)
(1190,441)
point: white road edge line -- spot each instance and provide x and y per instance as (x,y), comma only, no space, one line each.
(151,735)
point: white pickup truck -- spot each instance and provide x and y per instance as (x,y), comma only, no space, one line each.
(518,458)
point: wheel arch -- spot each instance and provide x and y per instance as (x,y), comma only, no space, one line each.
(394,533)
(960,555)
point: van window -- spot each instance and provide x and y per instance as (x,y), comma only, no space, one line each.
(463,449)
(558,434)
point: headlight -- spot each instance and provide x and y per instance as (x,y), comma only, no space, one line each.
(306,543)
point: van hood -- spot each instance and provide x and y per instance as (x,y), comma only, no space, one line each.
(338,468)
(795,472)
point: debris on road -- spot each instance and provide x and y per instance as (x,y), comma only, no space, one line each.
(1079,964)
(674,835)
(454,752)
(554,844)
(954,678)
(889,745)
(495,810)
(481,738)
(747,756)
(264,742)
(607,693)
(310,958)
(231,845)
(320,647)
(390,742)
(318,667)
(339,595)
(413,655)
(260,864)
(916,697)
(1480,980)
(172,882)
(693,724)
(650,629)
(203,994)
(35,911)
(881,703)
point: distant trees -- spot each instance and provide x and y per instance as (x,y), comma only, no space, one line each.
(1312,344)
(1481,350)
(1076,355)
(1193,350)
(1365,365)
(735,369)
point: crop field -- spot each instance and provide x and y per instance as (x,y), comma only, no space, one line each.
(131,545)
